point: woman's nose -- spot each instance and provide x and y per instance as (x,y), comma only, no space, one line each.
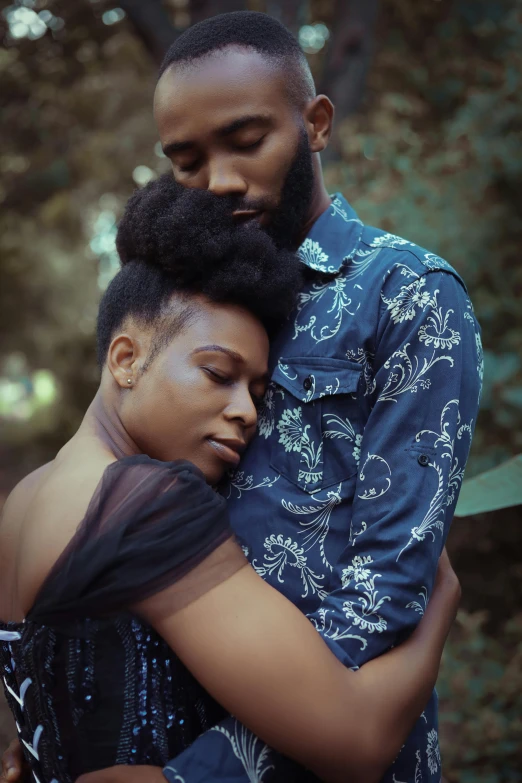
(242,408)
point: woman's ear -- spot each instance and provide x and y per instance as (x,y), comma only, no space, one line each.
(318,116)
(123,360)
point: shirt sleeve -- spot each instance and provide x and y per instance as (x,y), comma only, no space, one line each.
(427,382)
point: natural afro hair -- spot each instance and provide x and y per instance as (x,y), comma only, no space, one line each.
(176,242)
(251,30)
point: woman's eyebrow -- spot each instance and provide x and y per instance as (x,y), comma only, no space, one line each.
(219,349)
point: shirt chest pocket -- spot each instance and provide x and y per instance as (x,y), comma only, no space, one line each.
(318,424)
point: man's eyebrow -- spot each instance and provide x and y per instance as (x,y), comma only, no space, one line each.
(225,130)
(176,146)
(219,349)
(242,122)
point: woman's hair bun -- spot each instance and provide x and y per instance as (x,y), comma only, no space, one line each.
(192,237)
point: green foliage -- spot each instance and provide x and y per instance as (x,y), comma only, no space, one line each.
(76,123)
(437,157)
(480,693)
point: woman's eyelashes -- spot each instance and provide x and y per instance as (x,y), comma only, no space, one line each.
(216,376)
(226,380)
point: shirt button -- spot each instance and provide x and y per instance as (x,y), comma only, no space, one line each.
(423,460)
(307,383)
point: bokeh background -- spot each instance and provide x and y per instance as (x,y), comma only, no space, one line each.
(428,146)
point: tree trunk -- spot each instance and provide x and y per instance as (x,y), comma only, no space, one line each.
(152,24)
(347,59)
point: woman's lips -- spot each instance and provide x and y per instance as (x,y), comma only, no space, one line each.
(228,453)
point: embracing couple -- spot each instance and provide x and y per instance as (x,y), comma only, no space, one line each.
(140,630)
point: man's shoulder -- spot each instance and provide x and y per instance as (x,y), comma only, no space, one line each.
(397,259)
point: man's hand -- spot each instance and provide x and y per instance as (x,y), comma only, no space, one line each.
(124,774)
(14,768)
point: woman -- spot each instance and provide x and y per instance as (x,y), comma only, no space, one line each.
(124,598)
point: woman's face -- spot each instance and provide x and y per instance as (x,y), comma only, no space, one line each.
(197,400)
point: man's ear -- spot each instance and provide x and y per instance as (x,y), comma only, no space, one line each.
(318,116)
(124,360)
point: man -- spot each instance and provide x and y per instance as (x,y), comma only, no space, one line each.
(344,500)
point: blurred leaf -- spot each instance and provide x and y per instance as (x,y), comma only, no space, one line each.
(497,488)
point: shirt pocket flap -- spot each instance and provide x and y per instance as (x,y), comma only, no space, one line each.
(309,378)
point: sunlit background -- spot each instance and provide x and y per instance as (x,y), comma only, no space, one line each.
(429,146)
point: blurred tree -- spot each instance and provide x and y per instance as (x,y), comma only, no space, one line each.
(347,60)
(152,24)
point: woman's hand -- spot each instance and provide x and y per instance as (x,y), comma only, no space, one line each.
(14,767)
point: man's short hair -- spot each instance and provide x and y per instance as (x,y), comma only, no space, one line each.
(251,30)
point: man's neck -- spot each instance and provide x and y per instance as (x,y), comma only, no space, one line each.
(320,202)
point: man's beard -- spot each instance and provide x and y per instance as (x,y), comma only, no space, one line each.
(289,217)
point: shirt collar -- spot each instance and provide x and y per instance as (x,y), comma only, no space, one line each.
(333,238)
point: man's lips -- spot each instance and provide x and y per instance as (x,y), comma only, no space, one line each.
(229,449)
(244,215)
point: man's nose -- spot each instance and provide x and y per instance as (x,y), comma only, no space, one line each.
(223,180)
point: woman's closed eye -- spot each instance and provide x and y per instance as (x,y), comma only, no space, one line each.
(216,376)
(225,380)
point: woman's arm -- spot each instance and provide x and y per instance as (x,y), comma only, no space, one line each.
(260,657)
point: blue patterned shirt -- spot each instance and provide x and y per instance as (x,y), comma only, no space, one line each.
(344,499)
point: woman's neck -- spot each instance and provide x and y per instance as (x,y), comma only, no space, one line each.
(103,423)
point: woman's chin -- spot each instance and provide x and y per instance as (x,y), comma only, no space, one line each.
(213,470)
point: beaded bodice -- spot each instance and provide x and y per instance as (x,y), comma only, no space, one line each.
(99,693)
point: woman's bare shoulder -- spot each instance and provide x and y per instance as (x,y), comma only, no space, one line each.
(39,518)
(23,493)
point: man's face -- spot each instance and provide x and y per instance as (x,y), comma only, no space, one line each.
(228,126)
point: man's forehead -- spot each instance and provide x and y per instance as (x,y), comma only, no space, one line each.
(233,79)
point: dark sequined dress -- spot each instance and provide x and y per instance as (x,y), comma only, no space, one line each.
(89,683)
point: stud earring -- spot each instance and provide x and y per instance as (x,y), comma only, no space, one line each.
(129,381)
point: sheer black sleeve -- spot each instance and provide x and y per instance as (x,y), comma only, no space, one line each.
(150,525)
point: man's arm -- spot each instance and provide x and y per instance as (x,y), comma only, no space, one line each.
(427,372)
